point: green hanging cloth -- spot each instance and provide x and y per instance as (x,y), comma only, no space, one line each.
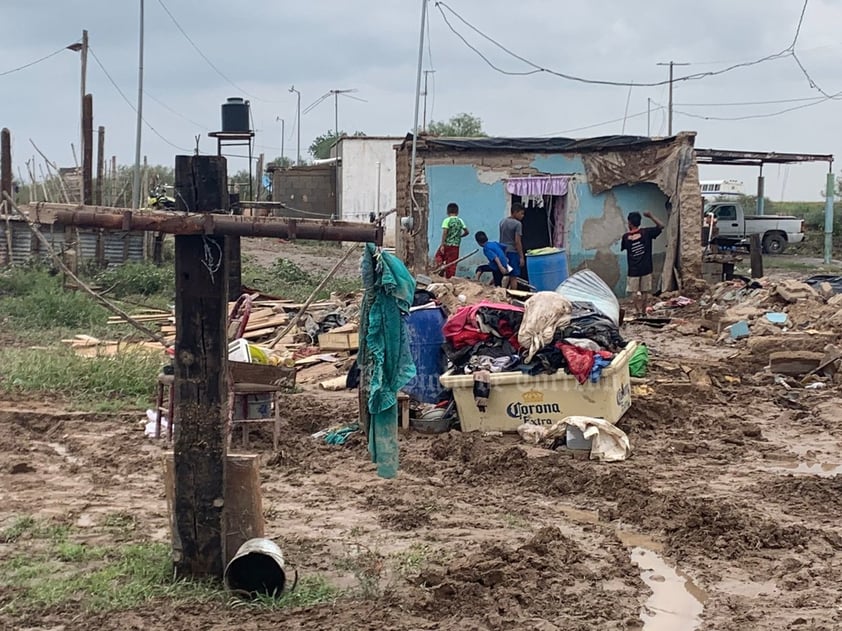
(384,350)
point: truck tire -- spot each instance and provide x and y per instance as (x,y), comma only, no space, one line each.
(774,243)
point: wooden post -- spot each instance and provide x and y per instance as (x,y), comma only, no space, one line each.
(88,150)
(100,165)
(756,253)
(113,200)
(243,501)
(6,162)
(201,276)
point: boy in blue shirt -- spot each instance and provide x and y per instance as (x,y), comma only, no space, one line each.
(498,264)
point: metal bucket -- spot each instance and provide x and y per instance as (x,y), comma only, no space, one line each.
(257,568)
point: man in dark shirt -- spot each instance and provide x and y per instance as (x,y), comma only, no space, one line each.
(637,243)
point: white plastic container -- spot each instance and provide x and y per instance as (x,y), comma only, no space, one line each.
(517,398)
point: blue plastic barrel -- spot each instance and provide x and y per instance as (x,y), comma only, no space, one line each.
(425,345)
(547,268)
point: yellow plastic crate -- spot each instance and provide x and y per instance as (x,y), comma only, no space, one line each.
(517,398)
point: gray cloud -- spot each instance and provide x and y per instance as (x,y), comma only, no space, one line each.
(264,47)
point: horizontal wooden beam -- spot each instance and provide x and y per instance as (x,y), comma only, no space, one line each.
(180,223)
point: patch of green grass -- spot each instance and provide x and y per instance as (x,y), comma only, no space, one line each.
(310,591)
(411,560)
(137,279)
(96,383)
(111,578)
(31,299)
(20,526)
(285,278)
(99,578)
(368,567)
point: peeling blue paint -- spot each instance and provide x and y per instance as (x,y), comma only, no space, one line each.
(482,206)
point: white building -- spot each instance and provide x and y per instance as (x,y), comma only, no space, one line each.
(367,179)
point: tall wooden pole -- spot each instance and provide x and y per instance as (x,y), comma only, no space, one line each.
(100,165)
(87,149)
(200,444)
(6,162)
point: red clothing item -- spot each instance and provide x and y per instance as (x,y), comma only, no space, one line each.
(462,328)
(447,254)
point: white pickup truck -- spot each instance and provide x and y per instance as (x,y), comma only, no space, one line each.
(776,231)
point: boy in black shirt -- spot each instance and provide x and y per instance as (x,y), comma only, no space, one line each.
(637,243)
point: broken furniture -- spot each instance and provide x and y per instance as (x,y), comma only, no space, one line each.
(244,380)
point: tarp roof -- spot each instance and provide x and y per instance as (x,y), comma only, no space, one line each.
(539,145)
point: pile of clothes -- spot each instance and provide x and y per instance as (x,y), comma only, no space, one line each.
(549,334)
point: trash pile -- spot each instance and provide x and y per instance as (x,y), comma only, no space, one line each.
(748,308)
(533,362)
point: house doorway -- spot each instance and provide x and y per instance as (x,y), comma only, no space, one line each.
(543,223)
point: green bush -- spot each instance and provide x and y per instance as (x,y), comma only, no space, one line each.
(31,298)
(137,279)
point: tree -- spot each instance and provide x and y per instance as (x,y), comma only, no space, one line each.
(283,163)
(462,125)
(321,145)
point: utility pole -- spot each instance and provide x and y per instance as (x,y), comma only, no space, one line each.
(669,115)
(417,99)
(283,134)
(297,125)
(648,117)
(136,184)
(424,117)
(84,79)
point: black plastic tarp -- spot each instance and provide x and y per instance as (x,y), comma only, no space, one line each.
(556,145)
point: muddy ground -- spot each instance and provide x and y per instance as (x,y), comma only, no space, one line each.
(725,517)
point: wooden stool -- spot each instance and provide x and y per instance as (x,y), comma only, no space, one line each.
(245,389)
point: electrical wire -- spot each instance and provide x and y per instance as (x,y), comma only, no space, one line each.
(176,113)
(763,115)
(32,63)
(131,105)
(536,68)
(602,124)
(741,103)
(207,59)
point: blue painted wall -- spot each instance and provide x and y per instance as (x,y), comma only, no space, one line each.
(594,223)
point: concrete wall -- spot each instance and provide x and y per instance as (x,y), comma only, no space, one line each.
(358,180)
(594,223)
(311,189)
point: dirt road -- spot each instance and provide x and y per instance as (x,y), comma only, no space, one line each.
(725,518)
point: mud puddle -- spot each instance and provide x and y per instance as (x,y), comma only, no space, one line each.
(676,603)
(806,467)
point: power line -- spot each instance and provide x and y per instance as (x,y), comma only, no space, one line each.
(741,103)
(602,124)
(32,63)
(131,105)
(206,58)
(176,113)
(536,68)
(763,115)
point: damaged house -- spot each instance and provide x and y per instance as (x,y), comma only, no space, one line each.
(577,195)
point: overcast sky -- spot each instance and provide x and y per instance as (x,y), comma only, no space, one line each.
(264,47)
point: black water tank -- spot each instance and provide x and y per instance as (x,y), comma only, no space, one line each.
(235,115)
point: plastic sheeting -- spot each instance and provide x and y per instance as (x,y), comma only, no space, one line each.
(586,286)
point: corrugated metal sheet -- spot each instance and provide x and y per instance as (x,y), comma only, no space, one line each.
(87,243)
(118,247)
